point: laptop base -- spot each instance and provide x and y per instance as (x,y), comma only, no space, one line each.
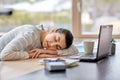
(93,60)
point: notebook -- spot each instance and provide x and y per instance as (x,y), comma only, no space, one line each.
(103,46)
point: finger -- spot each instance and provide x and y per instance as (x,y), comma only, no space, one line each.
(33,50)
(47,56)
(30,52)
(41,56)
(38,53)
(51,56)
(34,56)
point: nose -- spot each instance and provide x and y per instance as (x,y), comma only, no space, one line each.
(52,46)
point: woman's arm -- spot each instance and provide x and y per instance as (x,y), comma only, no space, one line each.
(14,50)
(35,53)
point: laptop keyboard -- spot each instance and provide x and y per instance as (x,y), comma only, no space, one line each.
(88,55)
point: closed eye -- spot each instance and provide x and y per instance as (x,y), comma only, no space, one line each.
(57,39)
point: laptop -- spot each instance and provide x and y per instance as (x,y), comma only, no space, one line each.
(104,41)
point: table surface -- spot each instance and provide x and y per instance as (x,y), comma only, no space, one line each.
(107,69)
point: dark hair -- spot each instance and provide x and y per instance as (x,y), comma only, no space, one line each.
(68,36)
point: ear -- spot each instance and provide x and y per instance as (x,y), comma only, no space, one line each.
(52,30)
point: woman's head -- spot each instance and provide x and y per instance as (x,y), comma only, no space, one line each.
(68,36)
(58,39)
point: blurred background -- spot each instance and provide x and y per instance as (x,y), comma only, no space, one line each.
(59,13)
(51,13)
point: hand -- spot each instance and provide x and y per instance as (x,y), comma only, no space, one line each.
(42,52)
(35,53)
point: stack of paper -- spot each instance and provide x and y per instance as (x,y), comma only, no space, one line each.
(71,62)
(68,62)
(58,63)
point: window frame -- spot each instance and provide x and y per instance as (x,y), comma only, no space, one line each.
(76,22)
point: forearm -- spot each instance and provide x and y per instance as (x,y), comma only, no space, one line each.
(14,55)
(53,52)
(47,56)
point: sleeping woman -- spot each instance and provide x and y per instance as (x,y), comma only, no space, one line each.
(29,41)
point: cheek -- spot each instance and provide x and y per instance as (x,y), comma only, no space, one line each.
(49,37)
(44,44)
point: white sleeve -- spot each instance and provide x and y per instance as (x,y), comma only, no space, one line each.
(66,52)
(15,49)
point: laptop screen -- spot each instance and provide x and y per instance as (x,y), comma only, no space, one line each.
(105,36)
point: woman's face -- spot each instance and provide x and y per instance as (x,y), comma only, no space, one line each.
(54,41)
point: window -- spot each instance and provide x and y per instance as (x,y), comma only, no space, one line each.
(51,13)
(90,14)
